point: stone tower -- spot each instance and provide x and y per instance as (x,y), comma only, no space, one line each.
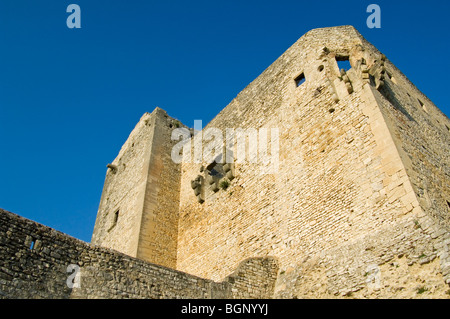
(362,180)
(138,213)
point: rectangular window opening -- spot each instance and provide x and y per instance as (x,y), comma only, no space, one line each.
(343,63)
(33,243)
(299,80)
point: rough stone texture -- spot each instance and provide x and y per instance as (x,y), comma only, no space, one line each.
(41,271)
(395,262)
(144,189)
(342,174)
(359,205)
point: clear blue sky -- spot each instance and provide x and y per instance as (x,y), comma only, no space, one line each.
(70,97)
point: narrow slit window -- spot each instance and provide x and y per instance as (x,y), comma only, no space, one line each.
(114,221)
(423,105)
(116,218)
(33,242)
(391,77)
(299,80)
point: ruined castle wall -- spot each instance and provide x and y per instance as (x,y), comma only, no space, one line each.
(358,206)
(340,175)
(138,213)
(34,262)
(34,259)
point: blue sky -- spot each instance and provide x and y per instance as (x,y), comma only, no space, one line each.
(70,97)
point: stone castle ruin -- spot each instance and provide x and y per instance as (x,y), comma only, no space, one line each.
(358,204)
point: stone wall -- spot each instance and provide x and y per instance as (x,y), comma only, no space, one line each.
(332,185)
(345,197)
(158,233)
(422,136)
(401,261)
(34,261)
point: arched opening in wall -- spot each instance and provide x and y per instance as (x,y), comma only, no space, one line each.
(343,62)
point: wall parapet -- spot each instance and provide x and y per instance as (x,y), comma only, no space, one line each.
(35,260)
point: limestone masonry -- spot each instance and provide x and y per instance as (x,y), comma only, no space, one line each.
(359,205)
